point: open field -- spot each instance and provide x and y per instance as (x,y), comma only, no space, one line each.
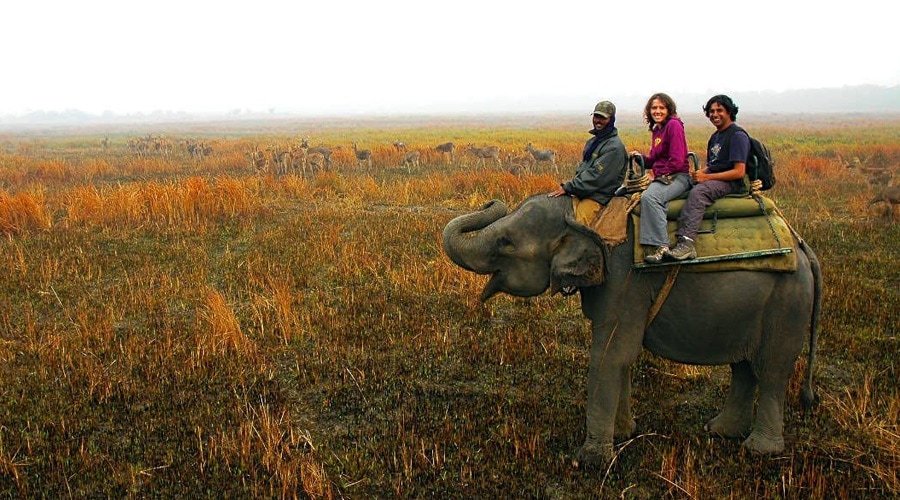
(174,325)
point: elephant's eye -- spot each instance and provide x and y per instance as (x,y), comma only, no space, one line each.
(504,244)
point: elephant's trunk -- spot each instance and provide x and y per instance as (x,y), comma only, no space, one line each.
(465,247)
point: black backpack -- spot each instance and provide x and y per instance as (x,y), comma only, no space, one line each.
(761,165)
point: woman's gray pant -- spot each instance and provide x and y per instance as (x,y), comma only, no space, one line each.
(654,201)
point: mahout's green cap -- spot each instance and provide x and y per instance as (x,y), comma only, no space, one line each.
(605,109)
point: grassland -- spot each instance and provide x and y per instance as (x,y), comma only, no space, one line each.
(172,326)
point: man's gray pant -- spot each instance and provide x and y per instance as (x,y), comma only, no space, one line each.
(701,196)
(653,208)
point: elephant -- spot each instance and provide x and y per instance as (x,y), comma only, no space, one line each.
(754,321)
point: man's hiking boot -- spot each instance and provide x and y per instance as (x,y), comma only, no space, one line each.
(657,255)
(684,250)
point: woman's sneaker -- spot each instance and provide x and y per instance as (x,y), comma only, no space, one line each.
(657,255)
(684,250)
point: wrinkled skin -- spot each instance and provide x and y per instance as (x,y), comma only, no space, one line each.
(754,321)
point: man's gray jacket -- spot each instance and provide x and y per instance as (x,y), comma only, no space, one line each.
(599,176)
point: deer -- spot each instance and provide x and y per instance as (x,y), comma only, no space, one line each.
(411,159)
(852,163)
(198,149)
(362,156)
(164,145)
(880,177)
(399,146)
(139,146)
(492,152)
(274,155)
(446,148)
(295,160)
(861,165)
(540,155)
(287,160)
(105,143)
(521,164)
(315,162)
(890,196)
(876,176)
(258,160)
(322,150)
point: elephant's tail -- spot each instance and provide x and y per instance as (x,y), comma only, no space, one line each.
(807,395)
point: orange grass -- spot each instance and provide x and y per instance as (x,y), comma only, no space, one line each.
(288,455)
(219,332)
(192,202)
(22,212)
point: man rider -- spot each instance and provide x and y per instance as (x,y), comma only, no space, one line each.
(726,163)
(603,161)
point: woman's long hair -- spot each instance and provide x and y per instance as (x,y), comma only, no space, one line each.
(667,101)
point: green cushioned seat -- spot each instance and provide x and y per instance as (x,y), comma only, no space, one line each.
(723,208)
(734,236)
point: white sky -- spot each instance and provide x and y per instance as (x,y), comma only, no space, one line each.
(342,56)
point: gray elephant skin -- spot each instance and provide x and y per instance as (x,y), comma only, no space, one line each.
(754,321)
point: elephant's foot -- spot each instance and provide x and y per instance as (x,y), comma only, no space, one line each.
(728,426)
(625,430)
(592,456)
(762,444)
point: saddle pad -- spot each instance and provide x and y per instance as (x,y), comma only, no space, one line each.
(734,235)
(723,207)
(586,210)
(610,221)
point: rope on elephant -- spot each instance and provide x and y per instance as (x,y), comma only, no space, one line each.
(788,224)
(663,294)
(756,187)
(633,201)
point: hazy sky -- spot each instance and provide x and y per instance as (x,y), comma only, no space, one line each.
(420,56)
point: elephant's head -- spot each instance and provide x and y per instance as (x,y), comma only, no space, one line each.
(539,245)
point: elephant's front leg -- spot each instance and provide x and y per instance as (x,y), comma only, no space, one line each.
(608,374)
(625,424)
(603,389)
(737,416)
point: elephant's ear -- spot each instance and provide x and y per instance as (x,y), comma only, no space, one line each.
(579,259)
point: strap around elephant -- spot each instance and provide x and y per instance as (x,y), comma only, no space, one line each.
(663,294)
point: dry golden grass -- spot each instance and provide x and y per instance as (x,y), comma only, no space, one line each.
(677,470)
(875,419)
(286,454)
(219,332)
(23,211)
(192,202)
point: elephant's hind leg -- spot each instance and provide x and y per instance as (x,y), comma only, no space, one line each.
(767,436)
(773,365)
(737,416)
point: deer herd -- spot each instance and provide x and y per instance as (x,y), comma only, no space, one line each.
(303,159)
(306,160)
(159,145)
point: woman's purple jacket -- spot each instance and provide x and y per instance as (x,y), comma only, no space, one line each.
(668,149)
